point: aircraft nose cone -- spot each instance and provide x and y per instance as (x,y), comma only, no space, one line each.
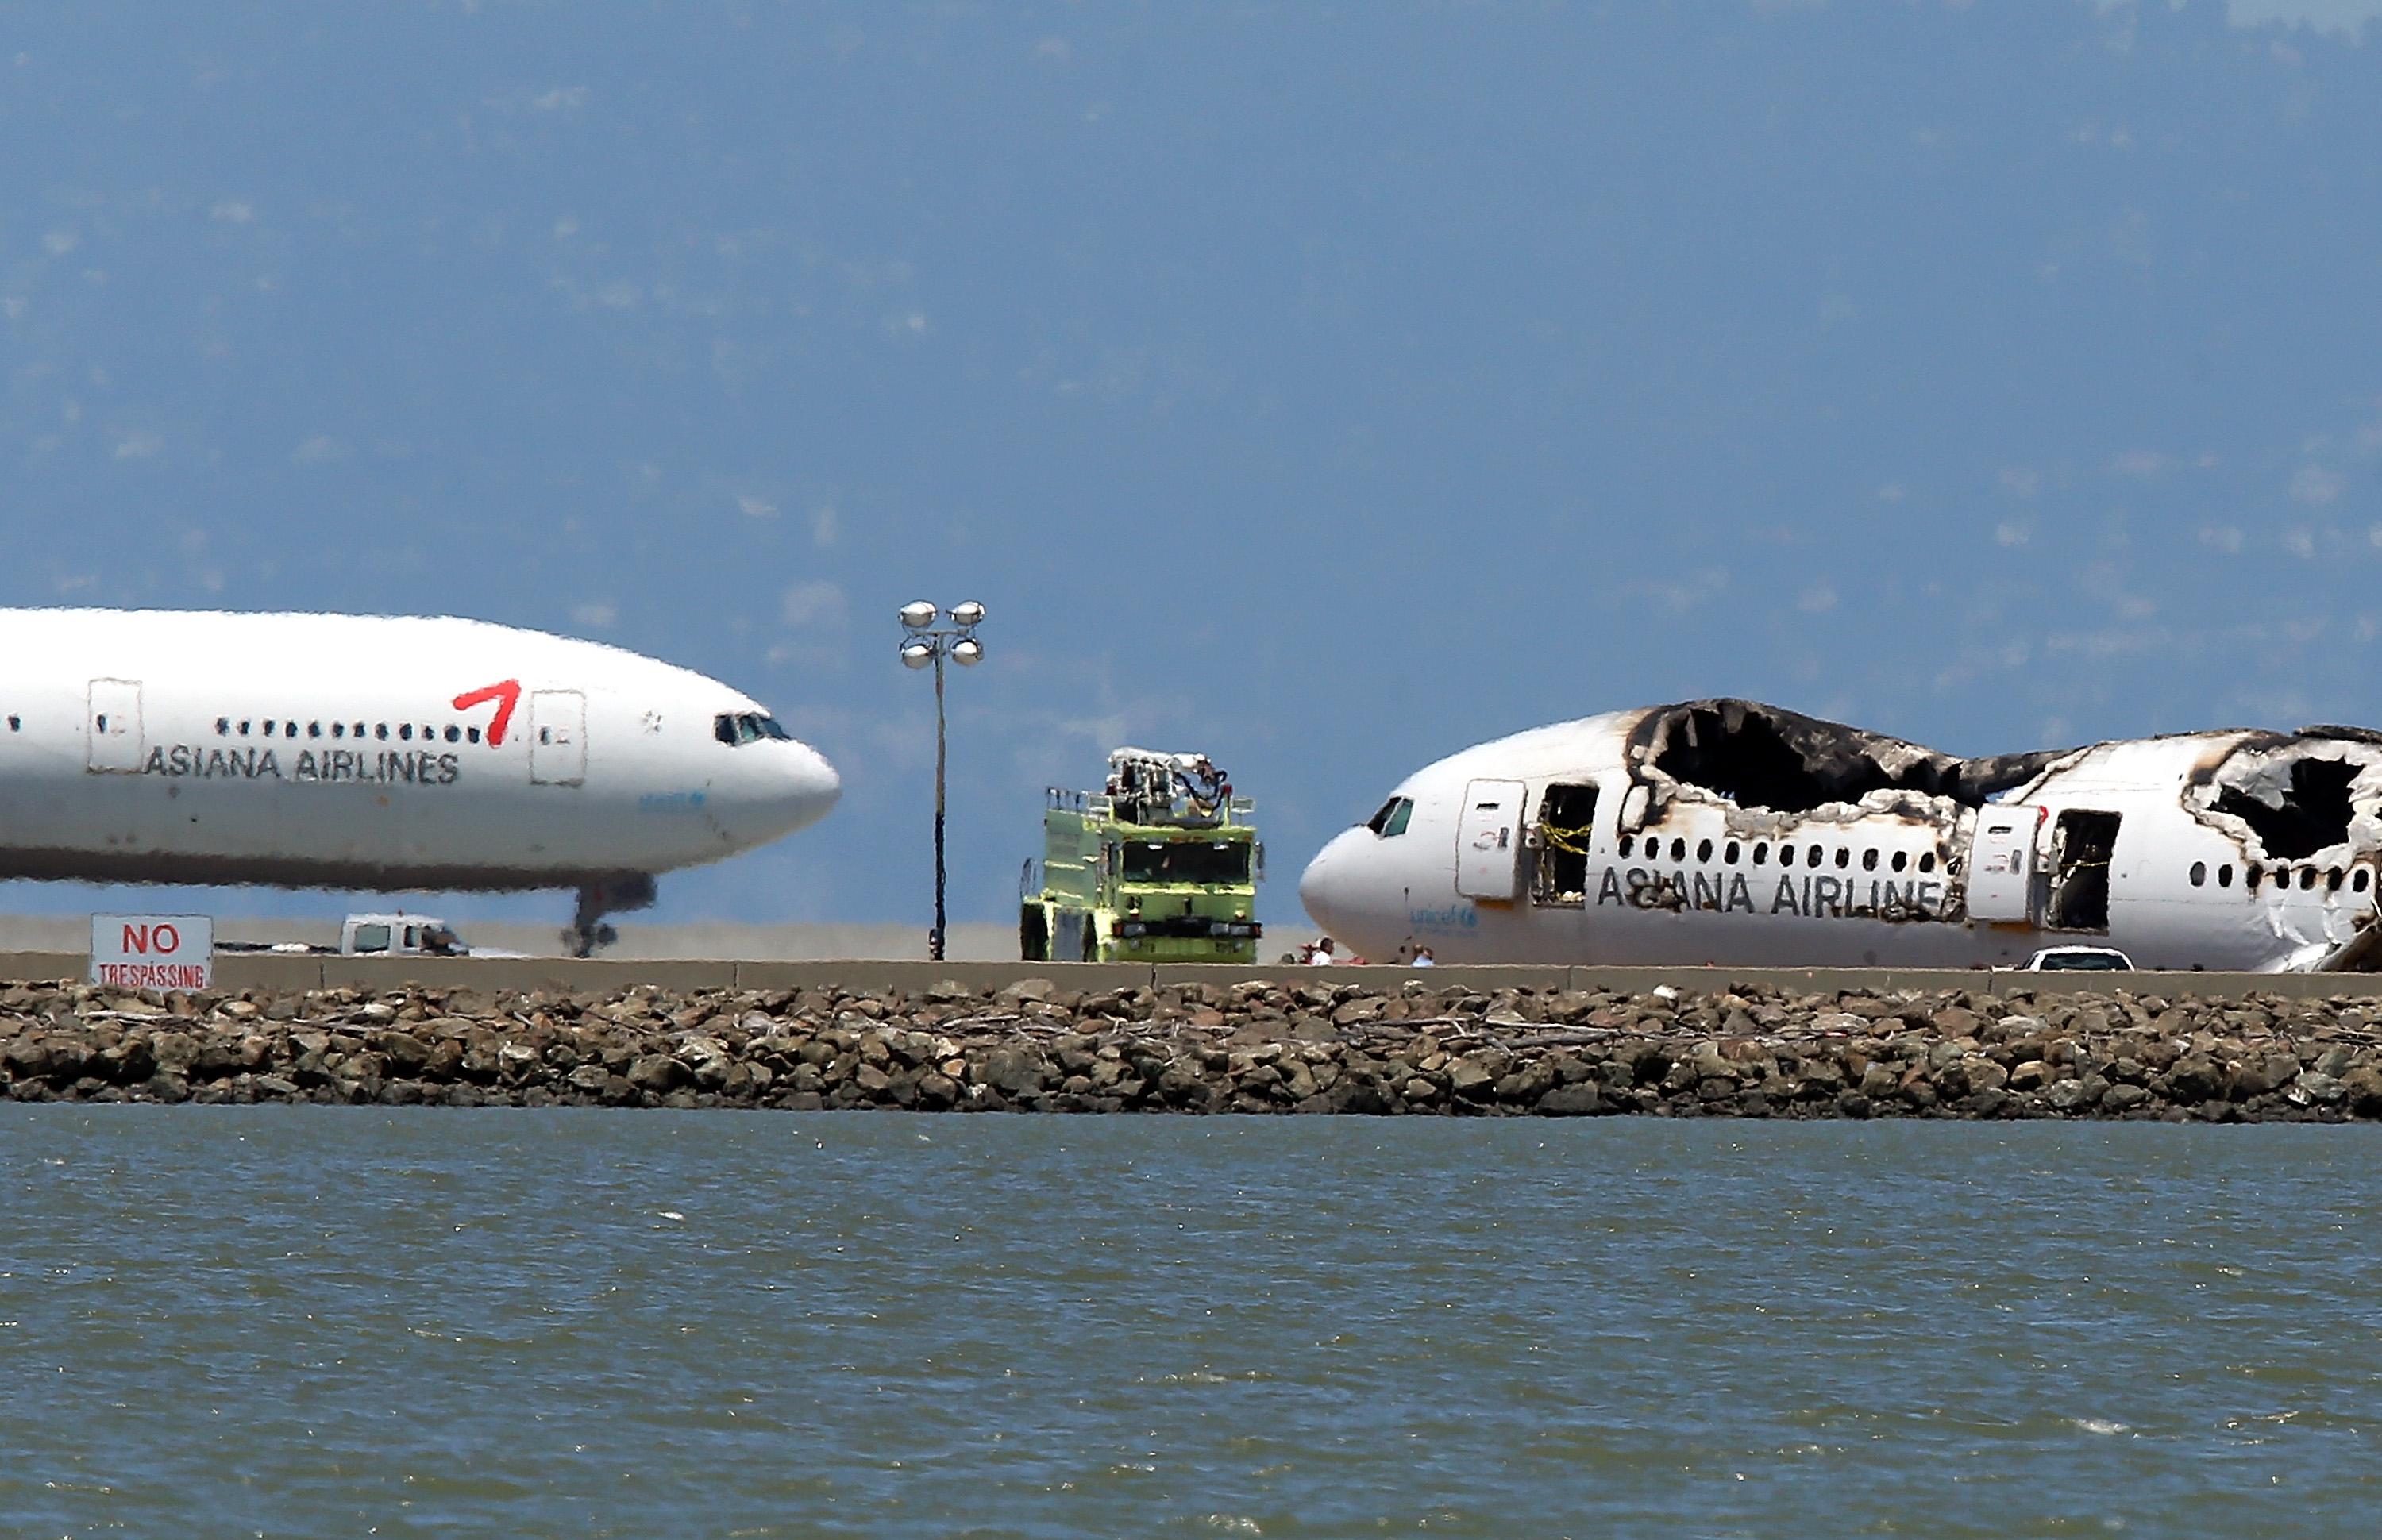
(1326,887)
(812,786)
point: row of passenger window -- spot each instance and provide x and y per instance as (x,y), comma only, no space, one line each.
(1788,853)
(2252,876)
(403,732)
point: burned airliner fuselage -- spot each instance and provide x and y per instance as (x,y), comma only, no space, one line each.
(1726,831)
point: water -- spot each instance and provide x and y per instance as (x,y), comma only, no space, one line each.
(292,1321)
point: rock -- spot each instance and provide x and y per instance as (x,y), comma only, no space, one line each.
(403,1053)
(2261,1075)
(1027,992)
(1359,1012)
(1526,1085)
(2190,1079)
(1572,1101)
(2070,1095)
(1470,1076)
(708,1060)
(1011,1071)
(2124,1098)
(658,1073)
(1180,1088)
(2361,1089)
(2317,1087)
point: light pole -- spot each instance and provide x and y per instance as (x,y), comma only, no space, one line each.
(925,642)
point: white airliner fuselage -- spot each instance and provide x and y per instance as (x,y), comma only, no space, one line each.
(1727,832)
(383,752)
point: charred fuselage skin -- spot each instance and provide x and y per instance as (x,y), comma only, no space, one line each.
(1725,831)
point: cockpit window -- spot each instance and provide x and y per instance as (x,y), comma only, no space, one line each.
(734,728)
(1390,822)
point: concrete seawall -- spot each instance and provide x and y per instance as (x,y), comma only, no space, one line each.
(284,972)
(1480,1042)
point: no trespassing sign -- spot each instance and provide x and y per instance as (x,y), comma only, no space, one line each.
(153,951)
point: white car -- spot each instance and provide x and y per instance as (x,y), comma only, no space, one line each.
(2080,959)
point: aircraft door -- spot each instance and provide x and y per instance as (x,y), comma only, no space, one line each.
(1489,841)
(558,736)
(113,725)
(2001,863)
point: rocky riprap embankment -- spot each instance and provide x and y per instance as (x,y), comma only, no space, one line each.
(1255,1048)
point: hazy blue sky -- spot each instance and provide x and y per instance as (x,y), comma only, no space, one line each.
(1323,387)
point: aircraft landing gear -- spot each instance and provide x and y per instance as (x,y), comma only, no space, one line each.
(587,931)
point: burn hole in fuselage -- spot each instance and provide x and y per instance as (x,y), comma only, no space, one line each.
(2315,812)
(1759,756)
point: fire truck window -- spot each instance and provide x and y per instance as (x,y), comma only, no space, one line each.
(1187,861)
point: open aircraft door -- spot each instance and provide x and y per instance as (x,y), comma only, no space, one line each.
(113,725)
(1489,841)
(2001,862)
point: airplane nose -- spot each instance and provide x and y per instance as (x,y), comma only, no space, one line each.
(812,786)
(1325,888)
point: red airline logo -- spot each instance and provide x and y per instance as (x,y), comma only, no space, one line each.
(505,693)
